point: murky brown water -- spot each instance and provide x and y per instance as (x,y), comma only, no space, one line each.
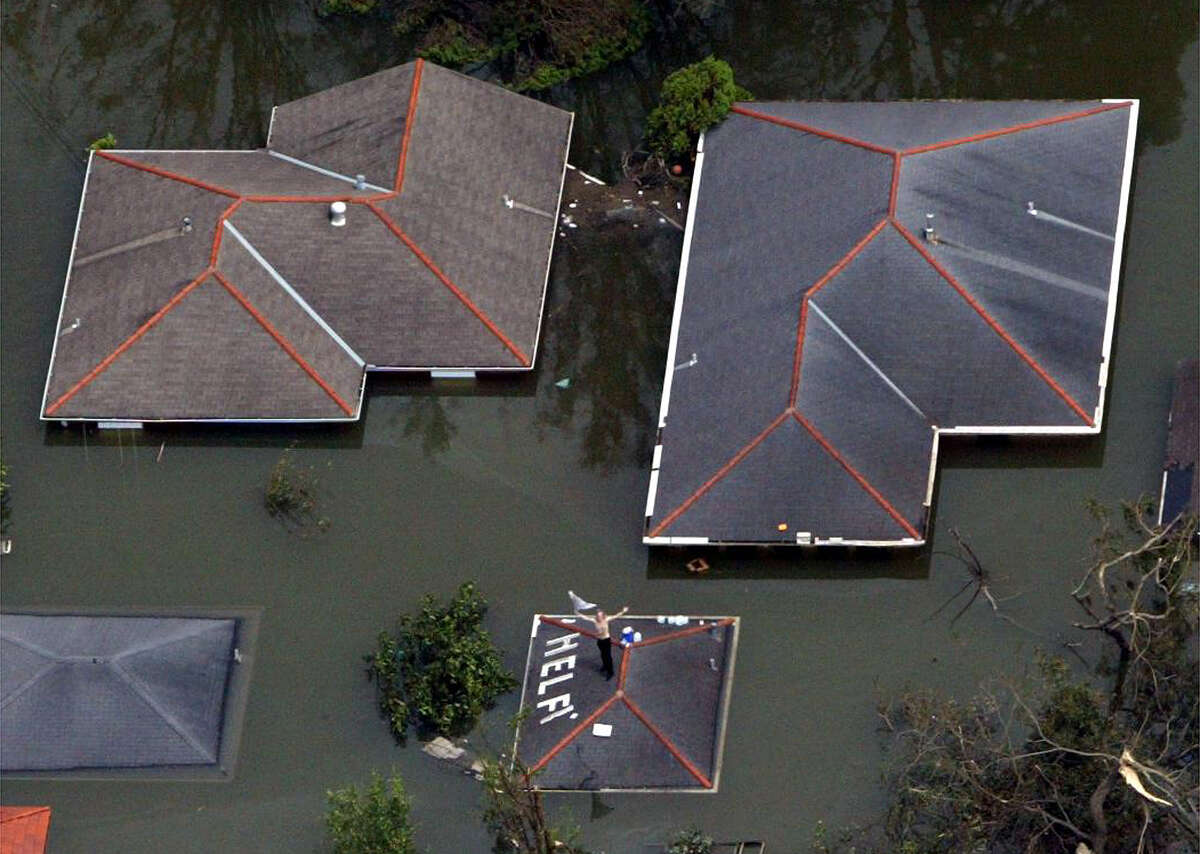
(528,488)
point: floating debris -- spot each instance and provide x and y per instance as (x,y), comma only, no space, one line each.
(565,382)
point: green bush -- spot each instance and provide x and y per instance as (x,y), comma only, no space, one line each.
(101,143)
(375,822)
(440,671)
(535,44)
(345,7)
(694,98)
(690,840)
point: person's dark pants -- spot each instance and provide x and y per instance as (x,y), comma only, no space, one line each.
(605,645)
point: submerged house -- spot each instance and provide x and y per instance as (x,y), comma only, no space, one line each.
(859,279)
(400,222)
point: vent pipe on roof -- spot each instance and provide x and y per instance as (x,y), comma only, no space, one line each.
(360,182)
(928,233)
(337,214)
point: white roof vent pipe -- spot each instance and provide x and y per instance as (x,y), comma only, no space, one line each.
(337,214)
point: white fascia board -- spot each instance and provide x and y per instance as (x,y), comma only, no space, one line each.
(1162,495)
(562,182)
(681,285)
(428,369)
(271,124)
(933,461)
(653,493)
(66,282)
(1082,430)
(182,150)
(85,419)
(1118,247)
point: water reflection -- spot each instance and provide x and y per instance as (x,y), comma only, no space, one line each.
(608,320)
(868,49)
(187,74)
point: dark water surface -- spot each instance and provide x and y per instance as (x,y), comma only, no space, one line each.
(528,488)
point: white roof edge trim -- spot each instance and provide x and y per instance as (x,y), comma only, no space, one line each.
(1081,430)
(562,183)
(282,282)
(271,124)
(681,285)
(1110,320)
(96,418)
(425,369)
(62,305)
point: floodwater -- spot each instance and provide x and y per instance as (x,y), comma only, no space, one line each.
(528,488)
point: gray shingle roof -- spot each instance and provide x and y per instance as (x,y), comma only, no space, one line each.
(833,340)
(188,261)
(112,692)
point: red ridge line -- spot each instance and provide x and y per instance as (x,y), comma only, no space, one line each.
(283,342)
(220,231)
(454,289)
(1053,120)
(682,633)
(820,283)
(303,199)
(754,114)
(624,668)
(675,751)
(895,184)
(128,342)
(568,626)
(721,472)
(853,472)
(166,173)
(413,95)
(569,737)
(992,322)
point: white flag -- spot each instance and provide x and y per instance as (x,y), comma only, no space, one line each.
(578,604)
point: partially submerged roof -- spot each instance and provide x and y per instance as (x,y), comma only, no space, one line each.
(211,285)
(658,726)
(110,692)
(1180,486)
(858,278)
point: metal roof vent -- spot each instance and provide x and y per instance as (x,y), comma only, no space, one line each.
(337,214)
(360,182)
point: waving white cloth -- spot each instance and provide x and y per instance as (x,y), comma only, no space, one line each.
(579,604)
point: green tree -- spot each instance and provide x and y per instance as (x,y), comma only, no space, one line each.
(372,822)
(690,840)
(693,99)
(515,814)
(440,670)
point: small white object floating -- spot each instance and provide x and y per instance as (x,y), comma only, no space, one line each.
(571,205)
(602,730)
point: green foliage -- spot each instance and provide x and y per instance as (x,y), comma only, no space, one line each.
(373,822)
(346,7)
(694,98)
(690,840)
(515,814)
(106,141)
(535,44)
(291,493)
(440,671)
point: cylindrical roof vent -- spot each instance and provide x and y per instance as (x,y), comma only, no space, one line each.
(337,214)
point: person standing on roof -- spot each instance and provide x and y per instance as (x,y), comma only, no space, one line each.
(603,639)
